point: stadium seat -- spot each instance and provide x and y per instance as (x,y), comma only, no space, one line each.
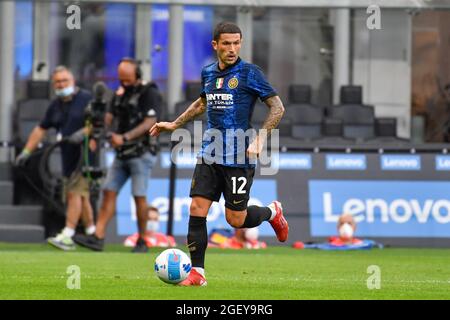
(306,121)
(29,113)
(333,132)
(332,127)
(358,120)
(386,132)
(38,89)
(386,127)
(299,94)
(351,94)
(306,118)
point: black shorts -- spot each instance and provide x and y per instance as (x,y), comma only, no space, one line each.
(211,180)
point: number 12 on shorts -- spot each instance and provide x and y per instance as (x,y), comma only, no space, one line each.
(243,182)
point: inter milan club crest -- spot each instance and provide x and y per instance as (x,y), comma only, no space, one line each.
(233,83)
(219,83)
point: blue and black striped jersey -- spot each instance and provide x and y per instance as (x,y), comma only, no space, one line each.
(231,95)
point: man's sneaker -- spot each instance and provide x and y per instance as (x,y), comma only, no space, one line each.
(194,279)
(62,242)
(279,223)
(89,241)
(140,247)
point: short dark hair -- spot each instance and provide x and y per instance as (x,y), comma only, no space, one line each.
(226,27)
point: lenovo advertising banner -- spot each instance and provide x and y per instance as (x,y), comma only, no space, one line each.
(395,198)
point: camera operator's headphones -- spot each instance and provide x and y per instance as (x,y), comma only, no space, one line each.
(137,66)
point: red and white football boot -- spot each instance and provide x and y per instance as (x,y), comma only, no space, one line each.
(194,279)
(279,223)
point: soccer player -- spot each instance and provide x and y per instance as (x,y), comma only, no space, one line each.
(230,88)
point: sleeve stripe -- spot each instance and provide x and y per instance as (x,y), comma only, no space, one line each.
(270,95)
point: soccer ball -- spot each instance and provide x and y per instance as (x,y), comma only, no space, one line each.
(172,266)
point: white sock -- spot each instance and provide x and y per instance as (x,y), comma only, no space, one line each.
(200,270)
(274,212)
(68,232)
(90,230)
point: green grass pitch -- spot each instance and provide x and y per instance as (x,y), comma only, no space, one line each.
(30,271)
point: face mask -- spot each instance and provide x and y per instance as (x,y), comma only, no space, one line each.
(346,231)
(63,93)
(152,225)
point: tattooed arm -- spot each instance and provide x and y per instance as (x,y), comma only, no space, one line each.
(196,108)
(276,111)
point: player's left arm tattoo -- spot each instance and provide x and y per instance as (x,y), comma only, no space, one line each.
(196,108)
(276,111)
(141,129)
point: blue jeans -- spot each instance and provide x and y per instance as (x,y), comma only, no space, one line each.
(139,169)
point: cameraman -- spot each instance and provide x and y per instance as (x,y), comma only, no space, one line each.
(66,115)
(135,106)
